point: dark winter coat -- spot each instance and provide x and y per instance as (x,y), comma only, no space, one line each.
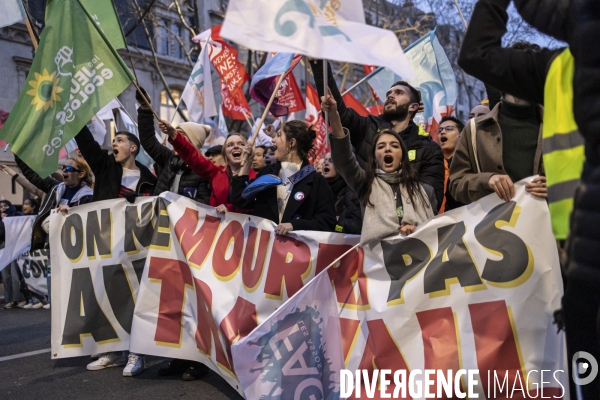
(54,191)
(428,160)
(518,72)
(190,184)
(347,207)
(312,211)
(107,172)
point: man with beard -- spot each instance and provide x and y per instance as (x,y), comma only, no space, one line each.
(401,104)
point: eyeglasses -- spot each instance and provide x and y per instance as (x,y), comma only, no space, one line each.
(68,168)
(447,128)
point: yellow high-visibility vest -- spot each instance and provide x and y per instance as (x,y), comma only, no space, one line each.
(562,143)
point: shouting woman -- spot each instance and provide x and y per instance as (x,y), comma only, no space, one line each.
(392,198)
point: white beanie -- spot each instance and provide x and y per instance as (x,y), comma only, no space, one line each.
(197,133)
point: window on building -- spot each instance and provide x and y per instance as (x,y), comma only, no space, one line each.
(168,111)
(177,51)
(162,40)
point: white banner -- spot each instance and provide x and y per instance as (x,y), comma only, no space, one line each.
(17,238)
(315,28)
(474,288)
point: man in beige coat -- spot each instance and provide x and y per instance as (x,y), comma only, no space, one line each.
(500,161)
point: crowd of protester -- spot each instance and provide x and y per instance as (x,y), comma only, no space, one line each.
(385,175)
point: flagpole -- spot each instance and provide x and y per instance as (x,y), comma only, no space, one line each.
(176,108)
(248,121)
(461,14)
(29,27)
(30,30)
(265,113)
(372,74)
(137,82)
(325,96)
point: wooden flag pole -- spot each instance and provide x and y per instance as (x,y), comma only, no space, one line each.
(461,14)
(145,97)
(30,30)
(265,113)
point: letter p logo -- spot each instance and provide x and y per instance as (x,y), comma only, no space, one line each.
(585,368)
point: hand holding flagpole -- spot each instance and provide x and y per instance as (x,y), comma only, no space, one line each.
(265,113)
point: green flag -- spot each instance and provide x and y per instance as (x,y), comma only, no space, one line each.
(75,72)
(105,15)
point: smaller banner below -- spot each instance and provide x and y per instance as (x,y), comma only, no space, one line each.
(274,353)
(17,238)
(34,267)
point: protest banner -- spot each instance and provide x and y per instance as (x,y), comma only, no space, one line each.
(17,238)
(34,267)
(75,72)
(474,288)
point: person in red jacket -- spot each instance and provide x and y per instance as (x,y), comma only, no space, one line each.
(218,176)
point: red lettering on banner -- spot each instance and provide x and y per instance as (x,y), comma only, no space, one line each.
(381,352)
(440,342)
(196,245)
(240,321)
(349,271)
(207,330)
(496,345)
(251,277)
(289,265)
(349,329)
(232,235)
(174,276)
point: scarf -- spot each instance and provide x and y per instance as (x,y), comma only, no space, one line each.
(381,220)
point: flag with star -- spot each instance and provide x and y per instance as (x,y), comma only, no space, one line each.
(75,72)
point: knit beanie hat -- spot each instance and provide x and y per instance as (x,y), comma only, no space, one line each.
(197,133)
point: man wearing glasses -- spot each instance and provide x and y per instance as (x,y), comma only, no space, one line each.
(448,134)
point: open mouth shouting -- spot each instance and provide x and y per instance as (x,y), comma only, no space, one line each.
(443,139)
(388,161)
(236,153)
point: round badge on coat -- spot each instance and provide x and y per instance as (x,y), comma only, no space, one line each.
(299,196)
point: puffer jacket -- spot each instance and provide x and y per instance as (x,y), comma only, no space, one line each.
(190,184)
(54,192)
(427,159)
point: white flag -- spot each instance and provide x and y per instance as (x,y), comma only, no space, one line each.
(198,94)
(12,12)
(313,28)
(18,238)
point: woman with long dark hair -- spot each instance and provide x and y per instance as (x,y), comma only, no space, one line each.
(304,201)
(392,198)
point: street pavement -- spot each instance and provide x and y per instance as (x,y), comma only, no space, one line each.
(38,377)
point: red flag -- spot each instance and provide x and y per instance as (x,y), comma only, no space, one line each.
(353,103)
(225,60)
(290,96)
(234,103)
(315,118)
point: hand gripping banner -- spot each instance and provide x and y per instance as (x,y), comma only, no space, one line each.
(474,288)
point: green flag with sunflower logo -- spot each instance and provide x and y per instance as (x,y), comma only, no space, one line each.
(75,72)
